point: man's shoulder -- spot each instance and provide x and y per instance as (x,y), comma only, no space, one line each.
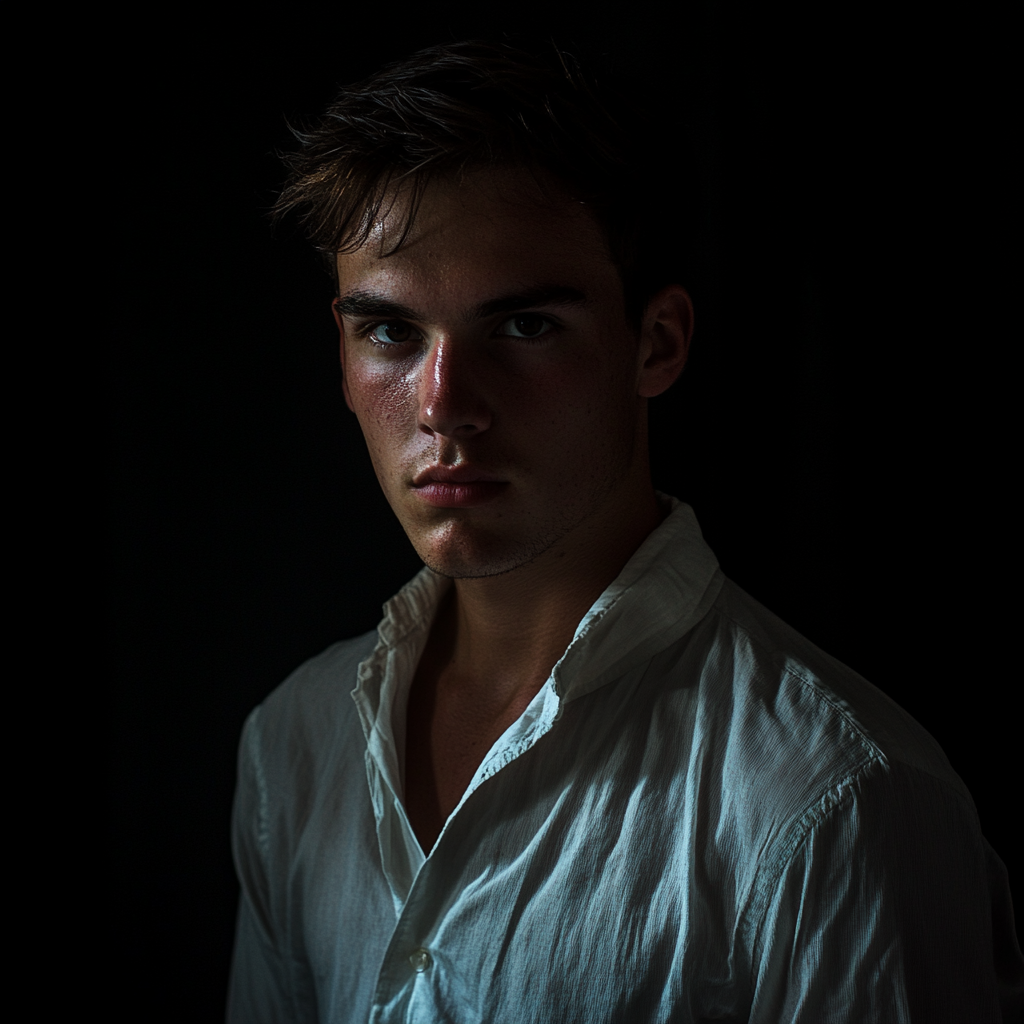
(313,707)
(787,738)
(794,712)
(300,768)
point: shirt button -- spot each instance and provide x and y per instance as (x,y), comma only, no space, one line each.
(420,960)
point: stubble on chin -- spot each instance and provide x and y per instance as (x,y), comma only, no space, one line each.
(458,562)
(462,549)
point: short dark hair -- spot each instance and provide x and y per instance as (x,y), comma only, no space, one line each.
(472,104)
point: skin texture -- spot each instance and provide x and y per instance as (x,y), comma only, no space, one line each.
(493,344)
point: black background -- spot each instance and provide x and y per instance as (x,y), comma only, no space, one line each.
(839,431)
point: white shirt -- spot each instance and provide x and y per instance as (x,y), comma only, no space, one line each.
(700,816)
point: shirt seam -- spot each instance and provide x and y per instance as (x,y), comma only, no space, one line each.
(816,815)
(817,811)
(823,808)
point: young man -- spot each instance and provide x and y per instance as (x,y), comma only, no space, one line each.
(576,774)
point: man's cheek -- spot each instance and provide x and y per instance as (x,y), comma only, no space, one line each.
(383,401)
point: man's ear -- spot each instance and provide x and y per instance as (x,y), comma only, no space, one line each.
(341,344)
(665,334)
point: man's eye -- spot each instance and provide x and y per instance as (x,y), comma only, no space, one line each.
(392,332)
(526,325)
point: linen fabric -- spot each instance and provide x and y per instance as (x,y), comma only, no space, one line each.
(700,816)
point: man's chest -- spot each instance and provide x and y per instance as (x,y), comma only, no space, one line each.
(448,733)
(542,901)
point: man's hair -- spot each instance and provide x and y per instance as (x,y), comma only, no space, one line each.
(469,105)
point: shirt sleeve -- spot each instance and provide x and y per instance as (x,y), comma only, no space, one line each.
(259,986)
(890,908)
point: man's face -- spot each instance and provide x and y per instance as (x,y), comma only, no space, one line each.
(493,373)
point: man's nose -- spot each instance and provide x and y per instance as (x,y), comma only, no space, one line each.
(451,401)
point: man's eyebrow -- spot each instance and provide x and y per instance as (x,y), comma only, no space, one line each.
(368,304)
(360,303)
(544,295)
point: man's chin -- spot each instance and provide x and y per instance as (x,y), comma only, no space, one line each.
(461,557)
(463,567)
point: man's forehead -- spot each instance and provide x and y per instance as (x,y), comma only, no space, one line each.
(478,241)
(487,212)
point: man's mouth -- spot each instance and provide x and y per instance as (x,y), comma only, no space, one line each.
(461,486)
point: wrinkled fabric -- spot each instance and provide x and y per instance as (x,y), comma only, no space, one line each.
(699,817)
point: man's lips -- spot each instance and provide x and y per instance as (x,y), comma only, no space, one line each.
(457,486)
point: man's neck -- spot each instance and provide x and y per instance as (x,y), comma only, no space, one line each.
(506,632)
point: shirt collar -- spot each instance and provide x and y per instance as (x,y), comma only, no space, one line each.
(662,592)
